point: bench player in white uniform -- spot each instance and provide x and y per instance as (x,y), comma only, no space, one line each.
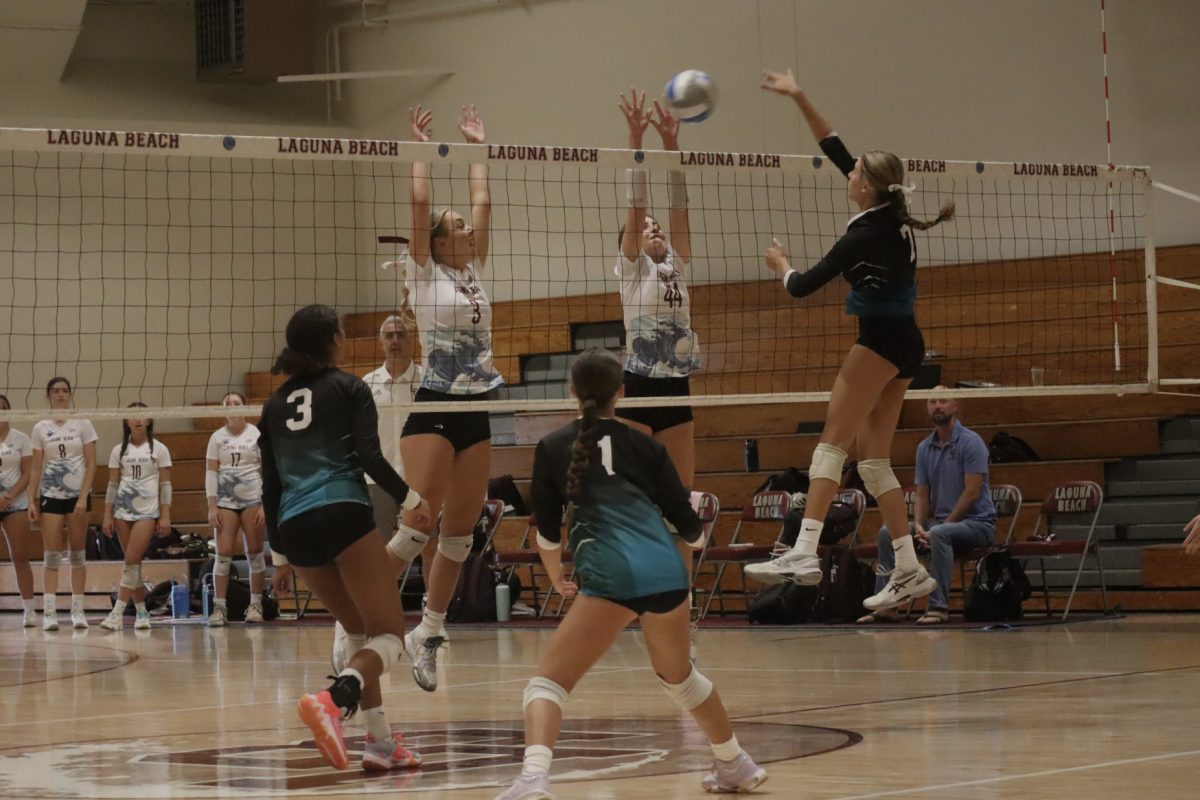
(64,465)
(447,455)
(233,485)
(662,349)
(136,506)
(16,464)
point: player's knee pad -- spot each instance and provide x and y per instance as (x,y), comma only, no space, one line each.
(51,559)
(77,558)
(827,462)
(544,689)
(222,566)
(694,690)
(131,576)
(258,563)
(388,646)
(877,476)
(407,543)
(455,548)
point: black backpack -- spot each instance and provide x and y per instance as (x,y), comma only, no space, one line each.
(998,590)
(504,488)
(177,544)
(98,547)
(475,595)
(846,582)
(785,604)
(840,522)
(1007,449)
(791,480)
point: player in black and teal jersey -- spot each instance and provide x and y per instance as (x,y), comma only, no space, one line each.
(318,433)
(615,485)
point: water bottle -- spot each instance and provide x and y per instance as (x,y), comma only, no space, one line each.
(206,596)
(180,601)
(503,602)
(752,455)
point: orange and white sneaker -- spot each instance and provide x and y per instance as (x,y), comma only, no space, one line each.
(324,719)
(388,755)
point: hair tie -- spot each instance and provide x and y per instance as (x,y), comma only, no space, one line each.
(892,187)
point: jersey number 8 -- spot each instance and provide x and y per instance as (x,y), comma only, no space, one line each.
(302,398)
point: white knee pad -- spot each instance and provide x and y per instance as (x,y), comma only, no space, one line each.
(455,548)
(258,563)
(877,476)
(407,543)
(77,558)
(388,646)
(544,689)
(51,559)
(222,566)
(827,462)
(131,576)
(694,690)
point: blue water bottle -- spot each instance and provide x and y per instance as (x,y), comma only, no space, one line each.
(751,455)
(181,601)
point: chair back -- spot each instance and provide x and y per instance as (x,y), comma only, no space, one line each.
(1074,501)
(770,506)
(490,516)
(856,499)
(1007,500)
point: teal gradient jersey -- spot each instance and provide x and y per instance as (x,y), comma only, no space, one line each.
(317,436)
(622,547)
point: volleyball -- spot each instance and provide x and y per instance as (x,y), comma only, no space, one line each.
(691,95)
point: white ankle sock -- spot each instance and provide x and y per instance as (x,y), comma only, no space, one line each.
(431,623)
(220,603)
(30,604)
(809,536)
(906,555)
(255,599)
(49,603)
(537,759)
(377,724)
(140,608)
(76,603)
(727,751)
(119,607)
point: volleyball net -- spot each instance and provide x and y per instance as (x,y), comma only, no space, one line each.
(163,268)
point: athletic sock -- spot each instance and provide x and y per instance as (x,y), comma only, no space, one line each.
(906,554)
(431,623)
(119,607)
(255,599)
(537,760)
(377,724)
(29,603)
(808,537)
(49,603)
(726,751)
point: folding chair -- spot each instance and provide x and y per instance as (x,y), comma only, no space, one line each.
(526,555)
(710,507)
(856,499)
(1007,500)
(765,507)
(1074,499)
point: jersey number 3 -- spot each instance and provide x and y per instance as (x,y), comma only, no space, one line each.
(302,415)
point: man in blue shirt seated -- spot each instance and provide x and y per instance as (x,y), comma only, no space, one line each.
(952,482)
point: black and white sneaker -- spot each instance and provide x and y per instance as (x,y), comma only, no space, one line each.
(901,588)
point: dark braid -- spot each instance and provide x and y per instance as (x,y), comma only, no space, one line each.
(882,169)
(596,378)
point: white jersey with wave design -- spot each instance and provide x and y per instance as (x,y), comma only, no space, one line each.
(454,317)
(239,467)
(660,342)
(63,464)
(15,446)
(137,489)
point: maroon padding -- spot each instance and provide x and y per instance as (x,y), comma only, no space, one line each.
(525,557)
(869,551)
(1073,497)
(1036,549)
(767,507)
(739,552)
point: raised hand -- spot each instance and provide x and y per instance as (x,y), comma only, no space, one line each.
(777,257)
(471,125)
(1191,545)
(422,122)
(667,126)
(780,82)
(636,116)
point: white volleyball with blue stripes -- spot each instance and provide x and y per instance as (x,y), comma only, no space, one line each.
(691,95)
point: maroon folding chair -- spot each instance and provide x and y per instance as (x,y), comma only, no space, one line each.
(767,508)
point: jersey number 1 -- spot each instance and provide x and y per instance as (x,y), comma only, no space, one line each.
(302,398)
(606,454)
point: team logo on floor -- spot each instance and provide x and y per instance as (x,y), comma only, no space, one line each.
(457,755)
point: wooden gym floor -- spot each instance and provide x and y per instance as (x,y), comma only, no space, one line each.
(1093,709)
